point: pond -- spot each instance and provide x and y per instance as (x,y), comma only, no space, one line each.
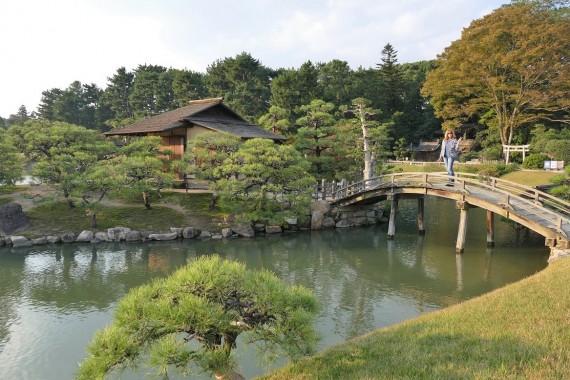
(53,297)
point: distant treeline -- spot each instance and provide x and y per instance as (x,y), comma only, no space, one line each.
(251,89)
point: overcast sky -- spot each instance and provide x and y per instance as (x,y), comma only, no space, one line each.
(48,44)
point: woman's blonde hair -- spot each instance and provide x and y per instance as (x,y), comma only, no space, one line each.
(447,133)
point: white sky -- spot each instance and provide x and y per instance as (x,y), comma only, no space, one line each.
(46,44)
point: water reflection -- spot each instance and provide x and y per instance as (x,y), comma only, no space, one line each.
(53,298)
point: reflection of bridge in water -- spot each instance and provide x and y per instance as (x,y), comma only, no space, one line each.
(534,209)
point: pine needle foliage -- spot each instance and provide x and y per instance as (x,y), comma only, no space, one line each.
(192,319)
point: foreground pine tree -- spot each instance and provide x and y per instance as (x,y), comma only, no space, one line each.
(191,320)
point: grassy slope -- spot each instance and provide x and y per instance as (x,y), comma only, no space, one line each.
(172,210)
(530,177)
(521,331)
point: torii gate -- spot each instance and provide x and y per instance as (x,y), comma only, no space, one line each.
(507,149)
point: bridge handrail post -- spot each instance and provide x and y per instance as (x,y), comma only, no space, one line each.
(334,189)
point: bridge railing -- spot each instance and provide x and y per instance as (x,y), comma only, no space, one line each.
(525,194)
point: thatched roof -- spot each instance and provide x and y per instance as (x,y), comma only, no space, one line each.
(208,113)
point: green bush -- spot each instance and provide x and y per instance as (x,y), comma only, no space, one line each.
(495,170)
(492,153)
(464,157)
(562,181)
(535,161)
(562,191)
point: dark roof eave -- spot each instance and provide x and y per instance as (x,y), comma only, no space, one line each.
(157,130)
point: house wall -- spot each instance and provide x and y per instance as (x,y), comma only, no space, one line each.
(175,140)
(191,133)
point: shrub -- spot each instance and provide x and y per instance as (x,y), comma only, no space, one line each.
(196,314)
(495,170)
(464,157)
(492,153)
(535,161)
(562,181)
(562,191)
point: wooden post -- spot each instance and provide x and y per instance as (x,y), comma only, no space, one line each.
(462,231)
(334,190)
(392,222)
(421,226)
(490,229)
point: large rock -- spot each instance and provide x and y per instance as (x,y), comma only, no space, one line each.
(85,236)
(273,229)
(177,230)
(291,224)
(102,236)
(53,239)
(227,232)
(133,236)
(206,235)
(12,218)
(20,241)
(344,223)
(40,241)
(164,237)
(68,237)
(322,206)
(243,229)
(191,232)
(328,222)
(118,233)
(317,220)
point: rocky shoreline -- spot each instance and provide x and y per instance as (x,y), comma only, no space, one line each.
(322,216)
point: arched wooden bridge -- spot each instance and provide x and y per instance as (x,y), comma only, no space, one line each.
(532,208)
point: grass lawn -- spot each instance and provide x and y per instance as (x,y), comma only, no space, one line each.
(521,331)
(530,177)
(174,209)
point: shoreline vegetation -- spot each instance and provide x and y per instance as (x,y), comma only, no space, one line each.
(173,209)
(520,331)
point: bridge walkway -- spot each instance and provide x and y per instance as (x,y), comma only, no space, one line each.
(535,209)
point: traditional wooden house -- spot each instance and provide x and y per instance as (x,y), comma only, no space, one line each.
(426,151)
(179,126)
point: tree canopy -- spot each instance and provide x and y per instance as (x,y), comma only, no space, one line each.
(257,179)
(195,316)
(11,163)
(507,70)
(142,167)
(60,153)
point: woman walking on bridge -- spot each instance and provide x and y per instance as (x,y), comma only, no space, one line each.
(449,151)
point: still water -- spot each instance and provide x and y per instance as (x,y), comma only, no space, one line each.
(52,298)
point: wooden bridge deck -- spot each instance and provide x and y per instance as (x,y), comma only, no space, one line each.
(535,209)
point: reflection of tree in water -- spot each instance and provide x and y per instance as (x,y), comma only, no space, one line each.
(10,292)
(77,277)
